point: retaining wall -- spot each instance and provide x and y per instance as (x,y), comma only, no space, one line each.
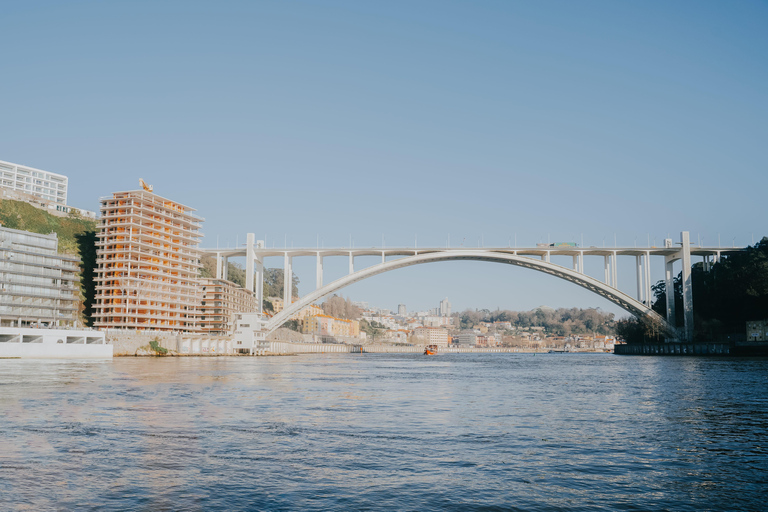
(126,342)
(674,349)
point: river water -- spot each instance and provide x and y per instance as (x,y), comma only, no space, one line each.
(385,432)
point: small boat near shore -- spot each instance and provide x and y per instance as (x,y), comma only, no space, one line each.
(430,350)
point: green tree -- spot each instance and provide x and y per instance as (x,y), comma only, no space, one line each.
(372,329)
(293,325)
(235,272)
(86,243)
(733,292)
(273,283)
(341,308)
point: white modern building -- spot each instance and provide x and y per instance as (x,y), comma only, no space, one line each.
(39,286)
(43,184)
(249,337)
(18,342)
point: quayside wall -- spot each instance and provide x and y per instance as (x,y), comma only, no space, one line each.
(130,343)
(674,349)
(283,347)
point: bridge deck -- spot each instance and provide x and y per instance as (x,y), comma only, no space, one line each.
(520,251)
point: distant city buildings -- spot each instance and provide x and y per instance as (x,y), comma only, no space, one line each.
(39,286)
(328,326)
(445,307)
(467,338)
(401,311)
(148,264)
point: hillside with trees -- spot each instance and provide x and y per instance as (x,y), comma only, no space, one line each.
(725,298)
(77,237)
(24,216)
(560,322)
(340,307)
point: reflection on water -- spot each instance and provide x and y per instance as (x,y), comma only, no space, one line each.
(455,432)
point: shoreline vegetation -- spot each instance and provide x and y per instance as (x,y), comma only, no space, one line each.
(727,296)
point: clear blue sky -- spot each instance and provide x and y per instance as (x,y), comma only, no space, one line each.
(477,119)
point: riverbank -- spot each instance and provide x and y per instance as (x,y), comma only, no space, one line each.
(694,349)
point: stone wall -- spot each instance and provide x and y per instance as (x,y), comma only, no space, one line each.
(126,343)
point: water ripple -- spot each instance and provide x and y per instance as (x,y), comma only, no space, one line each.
(384,432)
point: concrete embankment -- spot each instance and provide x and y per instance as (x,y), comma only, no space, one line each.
(132,343)
(138,343)
(277,347)
(674,349)
(127,343)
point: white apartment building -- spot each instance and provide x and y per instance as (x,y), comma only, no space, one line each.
(249,335)
(48,186)
(39,286)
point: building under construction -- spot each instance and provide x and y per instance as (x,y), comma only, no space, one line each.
(148,264)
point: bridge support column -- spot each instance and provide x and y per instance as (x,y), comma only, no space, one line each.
(576,263)
(648,290)
(581,262)
(287,281)
(639,265)
(250,256)
(218,265)
(351,263)
(319,271)
(614,271)
(260,284)
(607,270)
(224,267)
(669,277)
(687,287)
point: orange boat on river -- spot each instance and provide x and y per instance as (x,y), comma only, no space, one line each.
(430,350)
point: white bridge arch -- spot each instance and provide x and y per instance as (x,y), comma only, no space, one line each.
(618,297)
(536,258)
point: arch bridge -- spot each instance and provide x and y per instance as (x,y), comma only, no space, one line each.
(535,258)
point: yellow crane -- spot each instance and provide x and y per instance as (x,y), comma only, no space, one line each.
(144,185)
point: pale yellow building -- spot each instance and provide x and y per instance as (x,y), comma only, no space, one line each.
(311,310)
(432,336)
(324,325)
